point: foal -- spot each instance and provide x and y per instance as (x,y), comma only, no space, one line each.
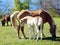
(33,21)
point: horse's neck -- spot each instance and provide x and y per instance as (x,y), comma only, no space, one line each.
(51,22)
(25,18)
(28,19)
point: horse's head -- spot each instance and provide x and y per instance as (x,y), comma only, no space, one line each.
(3,22)
(53,31)
(54,35)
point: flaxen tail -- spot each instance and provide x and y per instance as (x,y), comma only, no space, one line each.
(13,18)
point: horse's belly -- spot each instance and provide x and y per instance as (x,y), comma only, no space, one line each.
(30,22)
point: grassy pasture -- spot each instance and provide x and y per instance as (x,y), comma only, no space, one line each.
(8,36)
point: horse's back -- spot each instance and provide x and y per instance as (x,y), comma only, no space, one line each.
(34,20)
(36,13)
(43,14)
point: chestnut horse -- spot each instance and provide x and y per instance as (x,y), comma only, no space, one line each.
(43,14)
(5,19)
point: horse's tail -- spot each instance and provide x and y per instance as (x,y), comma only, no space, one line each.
(13,19)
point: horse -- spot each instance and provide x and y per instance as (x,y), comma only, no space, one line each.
(43,14)
(33,21)
(5,19)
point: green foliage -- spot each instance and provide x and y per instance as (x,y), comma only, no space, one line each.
(26,4)
(17,5)
(12,10)
(0,14)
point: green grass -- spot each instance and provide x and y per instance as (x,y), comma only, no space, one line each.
(8,36)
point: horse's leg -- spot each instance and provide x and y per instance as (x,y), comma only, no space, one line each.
(7,23)
(10,23)
(33,33)
(18,31)
(37,32)
(42,34)
(41,27)
(42,30)
(22,29)
(30,30)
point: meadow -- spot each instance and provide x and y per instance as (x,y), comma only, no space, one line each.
(8,36)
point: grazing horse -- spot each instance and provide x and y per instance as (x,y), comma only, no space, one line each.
(43,14)
(5,19)
(33,21)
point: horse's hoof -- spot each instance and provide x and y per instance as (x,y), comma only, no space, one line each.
(36,40)
(29,39)
(7,25)
(19,38)
(41,38)
(44,36)
(25,37)
(54,37)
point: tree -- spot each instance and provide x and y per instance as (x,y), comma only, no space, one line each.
(0,14)
(50,6)
(11,11)
(17,5)
(21,5)
(26,4)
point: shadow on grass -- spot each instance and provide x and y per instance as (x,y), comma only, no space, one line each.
(50,38)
